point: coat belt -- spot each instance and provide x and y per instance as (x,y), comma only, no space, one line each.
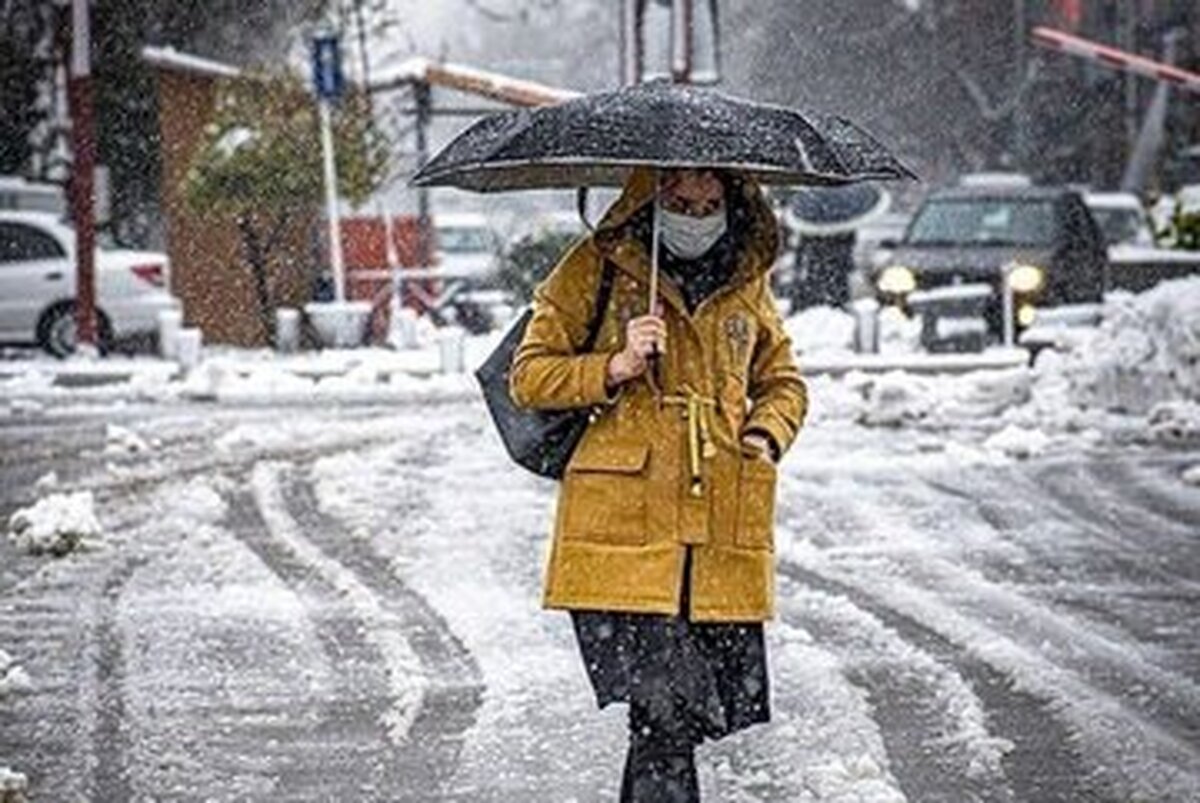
(695,409)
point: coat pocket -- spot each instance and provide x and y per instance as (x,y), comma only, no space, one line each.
(604,494)
(756,513)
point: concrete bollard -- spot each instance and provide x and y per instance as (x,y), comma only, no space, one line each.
(403,334)
(169,323)
(451,349)
(866,326)
(187,347)
(287,330)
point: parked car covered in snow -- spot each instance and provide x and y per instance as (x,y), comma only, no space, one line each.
(951,263)
(37,285)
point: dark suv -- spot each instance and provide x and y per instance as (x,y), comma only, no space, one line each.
(951,264)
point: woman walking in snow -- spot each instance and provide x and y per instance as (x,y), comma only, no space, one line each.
(663,537)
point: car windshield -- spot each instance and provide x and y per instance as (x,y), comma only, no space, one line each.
(463,240)
(1121,225)
(983,221)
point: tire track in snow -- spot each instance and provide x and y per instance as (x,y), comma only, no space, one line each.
(1163,695)
(110,736)
(915,555)
(347,751)
(450,702)
(67,733)
(1040,766)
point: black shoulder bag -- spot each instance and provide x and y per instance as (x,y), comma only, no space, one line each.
(539,440)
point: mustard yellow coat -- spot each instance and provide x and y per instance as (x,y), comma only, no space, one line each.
(661,468)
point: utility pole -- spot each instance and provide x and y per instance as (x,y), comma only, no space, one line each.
(1020,119)
(83,168)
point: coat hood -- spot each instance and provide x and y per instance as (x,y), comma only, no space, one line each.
(758,232)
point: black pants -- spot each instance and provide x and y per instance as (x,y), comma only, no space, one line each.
(660,766)
(665,721)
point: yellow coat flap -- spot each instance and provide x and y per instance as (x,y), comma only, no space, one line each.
(615,458)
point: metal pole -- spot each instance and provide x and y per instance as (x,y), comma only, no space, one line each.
(1009,306)
(424,102)
(335,239)
(83,143)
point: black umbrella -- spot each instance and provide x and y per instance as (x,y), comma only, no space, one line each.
(825,211)
(595,140)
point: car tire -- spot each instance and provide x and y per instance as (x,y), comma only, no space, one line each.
(56,330)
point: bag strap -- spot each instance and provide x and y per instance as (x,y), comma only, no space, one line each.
(603,294)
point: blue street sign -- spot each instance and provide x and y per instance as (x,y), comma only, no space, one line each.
(327,66)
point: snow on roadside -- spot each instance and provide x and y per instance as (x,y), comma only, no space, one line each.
(58,524)
(1145,351)
(1136,375)
(898,398)
(1191,475)
(820,329)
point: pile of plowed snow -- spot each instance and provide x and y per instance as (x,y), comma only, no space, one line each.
(1145,352)
(1140,365)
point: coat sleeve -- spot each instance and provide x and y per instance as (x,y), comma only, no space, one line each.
(778,396)
(547,373)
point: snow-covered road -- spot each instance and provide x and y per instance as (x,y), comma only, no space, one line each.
(310,603)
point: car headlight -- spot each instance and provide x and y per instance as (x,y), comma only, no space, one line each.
(1026,315)
(1026,278)
(896,280)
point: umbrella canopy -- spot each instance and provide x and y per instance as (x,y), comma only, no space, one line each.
(825,211)
(595,140)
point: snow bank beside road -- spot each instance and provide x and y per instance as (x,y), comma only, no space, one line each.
(1138,372)
(820,329)
(898,398)
(1146,351)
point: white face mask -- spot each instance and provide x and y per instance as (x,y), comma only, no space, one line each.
(688,237)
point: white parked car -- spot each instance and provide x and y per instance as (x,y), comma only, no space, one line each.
(37,285)
(466,246)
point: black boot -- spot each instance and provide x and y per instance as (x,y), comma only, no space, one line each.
(660,776)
